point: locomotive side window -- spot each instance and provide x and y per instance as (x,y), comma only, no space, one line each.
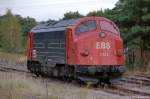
(86,26)
(108,27)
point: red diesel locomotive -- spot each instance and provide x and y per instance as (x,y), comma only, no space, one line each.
(87,49)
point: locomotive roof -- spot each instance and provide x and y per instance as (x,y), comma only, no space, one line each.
(53,26)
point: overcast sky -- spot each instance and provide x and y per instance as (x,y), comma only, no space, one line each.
(42,10)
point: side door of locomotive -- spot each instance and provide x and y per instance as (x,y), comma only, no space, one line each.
(70,54)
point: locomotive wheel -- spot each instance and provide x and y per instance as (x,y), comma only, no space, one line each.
(104,80)
(107,81)
(37,74)
(80,83)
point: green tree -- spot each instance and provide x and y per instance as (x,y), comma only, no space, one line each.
(103,13)
(96,13)
(26,24)
(0,32)
(72,15)
(135,16)
(10,33)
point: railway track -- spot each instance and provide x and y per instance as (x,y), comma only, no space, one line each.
(136,81)
(122,89)
(118,88)
(9,69)
(143,75)
(127,91)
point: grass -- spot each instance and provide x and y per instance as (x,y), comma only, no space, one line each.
(139,69)
(21,50)
(13,59)
(14,86)
(19,86)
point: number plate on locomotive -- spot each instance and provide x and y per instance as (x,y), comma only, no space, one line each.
(103,45)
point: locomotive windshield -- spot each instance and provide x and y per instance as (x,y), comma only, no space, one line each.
(86,26)
(107,26)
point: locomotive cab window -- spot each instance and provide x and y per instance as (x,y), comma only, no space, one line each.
(107,26)
(86,26)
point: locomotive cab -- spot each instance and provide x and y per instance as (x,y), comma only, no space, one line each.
(97,49)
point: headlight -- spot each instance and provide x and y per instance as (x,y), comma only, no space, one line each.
(102,34)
